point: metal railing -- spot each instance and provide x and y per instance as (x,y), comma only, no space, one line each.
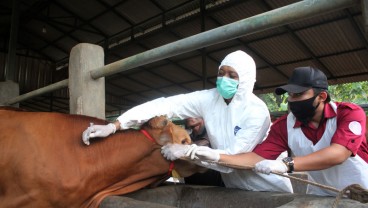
(274,18)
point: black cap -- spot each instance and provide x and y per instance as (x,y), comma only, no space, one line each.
(302,79)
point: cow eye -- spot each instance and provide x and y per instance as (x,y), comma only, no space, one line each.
(184,141)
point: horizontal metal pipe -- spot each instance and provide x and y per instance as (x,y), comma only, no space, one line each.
(277,17)
(56,86)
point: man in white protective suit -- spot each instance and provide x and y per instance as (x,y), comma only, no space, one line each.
(236,121)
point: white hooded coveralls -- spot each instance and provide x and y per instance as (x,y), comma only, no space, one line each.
(234,128)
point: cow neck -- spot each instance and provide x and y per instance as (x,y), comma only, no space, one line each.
(171,167)
(148,136)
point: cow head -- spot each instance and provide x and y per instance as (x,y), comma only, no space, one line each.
(164,131)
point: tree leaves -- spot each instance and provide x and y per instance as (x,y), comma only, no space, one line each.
(355,92)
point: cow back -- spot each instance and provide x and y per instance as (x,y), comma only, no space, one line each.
(44,163)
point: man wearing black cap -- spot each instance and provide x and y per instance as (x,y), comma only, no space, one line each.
(302,81)
(327,138)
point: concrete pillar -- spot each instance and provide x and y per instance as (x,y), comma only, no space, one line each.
(87,96)
(9,89)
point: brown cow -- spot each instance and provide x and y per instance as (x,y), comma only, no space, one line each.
(43,162)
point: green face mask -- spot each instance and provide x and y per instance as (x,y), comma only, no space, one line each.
(227,87)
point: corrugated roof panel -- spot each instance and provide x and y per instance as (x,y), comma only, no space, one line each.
(116,90)
(111,2)
(84,8)
(174,73)
(198,85)
(351,79)
(170,4)
(287,69)
(87,37)
(332,38)
(158,40)
(33,41)
(118,100)
(149,79)
(360,23)
(210,23)
(55,53)
(279,49)
(174,90)
(137,98)
(153,94)
(193,63)
(220,54)
(219,51)
(238,12)
(187,29)
(129,84)
(124,52)
(337,48)
(185,56)
(268,77)
(363,54)
(318,20)
(243,11)
(280,3)
(146,10)
(356,9)
(346,64)
(110,23)
(260,62)
(66,43)
(39,29)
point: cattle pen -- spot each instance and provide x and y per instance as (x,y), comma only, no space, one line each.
(86,84)
(87,72)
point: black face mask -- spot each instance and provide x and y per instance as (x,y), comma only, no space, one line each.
(303,110)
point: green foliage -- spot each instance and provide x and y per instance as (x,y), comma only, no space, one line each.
(350,92)
(274,102)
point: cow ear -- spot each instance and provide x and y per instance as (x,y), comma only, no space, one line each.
(166,136)
(158,122)
(174,134)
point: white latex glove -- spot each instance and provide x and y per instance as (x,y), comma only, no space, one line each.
(98,131)
(268,166)
(175,151)
(203,153)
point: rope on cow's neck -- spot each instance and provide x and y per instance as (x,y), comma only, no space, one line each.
(354,191)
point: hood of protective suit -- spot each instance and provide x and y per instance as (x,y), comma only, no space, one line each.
(245,66)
